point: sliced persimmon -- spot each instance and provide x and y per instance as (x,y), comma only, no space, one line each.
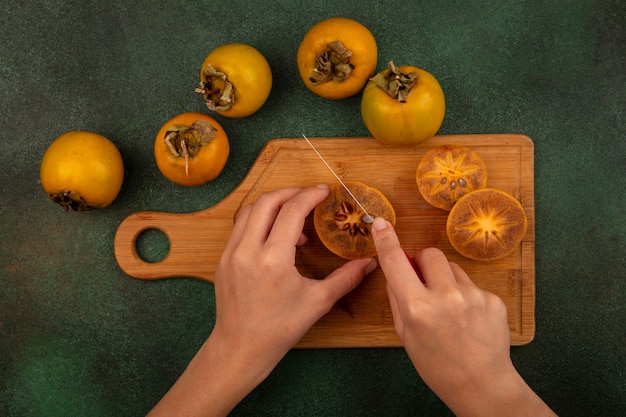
(486,224)
(448,172)
(342,225)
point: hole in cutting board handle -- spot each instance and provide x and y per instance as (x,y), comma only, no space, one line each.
(152,245)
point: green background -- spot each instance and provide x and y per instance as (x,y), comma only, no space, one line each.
(78,337)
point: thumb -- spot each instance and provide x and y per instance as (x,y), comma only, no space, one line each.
(346,278)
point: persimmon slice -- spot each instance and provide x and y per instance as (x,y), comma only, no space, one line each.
(447,173)
(339,222)
(486,224)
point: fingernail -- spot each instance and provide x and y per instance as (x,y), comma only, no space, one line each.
(379,223)
(370,267)
(322,186)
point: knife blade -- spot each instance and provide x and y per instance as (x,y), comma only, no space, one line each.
(366,218)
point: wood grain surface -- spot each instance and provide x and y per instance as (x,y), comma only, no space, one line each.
(363,317)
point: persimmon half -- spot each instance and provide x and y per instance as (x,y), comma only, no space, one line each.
(340,223)
(448,172)
(486,224)
(336,57)
(191,149)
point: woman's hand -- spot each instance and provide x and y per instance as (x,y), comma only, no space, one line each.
(455,333)
(262,300)
(264,305)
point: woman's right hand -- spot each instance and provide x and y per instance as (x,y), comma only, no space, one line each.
(455,333)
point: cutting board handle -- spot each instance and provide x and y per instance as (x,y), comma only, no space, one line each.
(193,249)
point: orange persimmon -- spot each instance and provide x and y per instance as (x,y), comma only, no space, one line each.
(191,149)
(336,57)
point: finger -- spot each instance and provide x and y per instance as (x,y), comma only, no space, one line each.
(290,220)
(473,293)
(302,240)
(237,231)
(341,281)
(460,275)
(263,214)
(435,268)
(399,273)
(398,324)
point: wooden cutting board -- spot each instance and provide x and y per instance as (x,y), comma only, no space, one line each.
(362,318)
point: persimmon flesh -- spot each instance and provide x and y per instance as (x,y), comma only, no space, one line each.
(341,225)
(448,172)
(486,224)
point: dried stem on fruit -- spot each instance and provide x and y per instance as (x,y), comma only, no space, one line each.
(395,83)
(217,90)
(186,141)
(333,64)
(68,199)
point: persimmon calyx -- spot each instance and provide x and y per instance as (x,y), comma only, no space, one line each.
(186,141)
(68,199)
(218,91)
(395,83)
(332,64)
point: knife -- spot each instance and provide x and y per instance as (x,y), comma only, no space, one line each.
(366,218)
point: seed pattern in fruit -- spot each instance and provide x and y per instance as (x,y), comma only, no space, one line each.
(341,224)
(347,218)
(447,173)
(451,167)
(486,224)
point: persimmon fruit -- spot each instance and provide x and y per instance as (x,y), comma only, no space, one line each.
(336,57)
(82,170)
(235,80)
(448,172)
(486,224)
(403,105)
(191,149)
(340,223)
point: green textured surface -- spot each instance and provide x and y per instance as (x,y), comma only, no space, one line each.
(78,337)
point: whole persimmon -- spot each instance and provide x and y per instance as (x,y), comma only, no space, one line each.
(403,105)
(82,170)
(235,80)
(336,57)
(191,149)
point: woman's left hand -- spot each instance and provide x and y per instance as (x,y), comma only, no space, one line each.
(261,298)
(264,306)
